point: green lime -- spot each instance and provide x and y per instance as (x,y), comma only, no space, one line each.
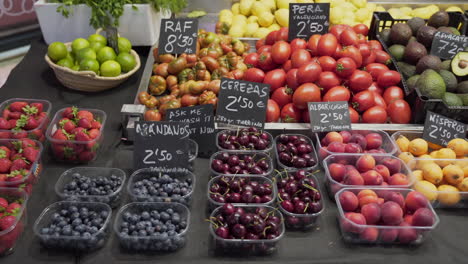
(86,53)
(78,44)
(124,45)
(97,38)
(70,56)
(89,65)
(105,54)
(96,46)
(110,68)
(65,63)
(126,61)
(76,67)
(57,51)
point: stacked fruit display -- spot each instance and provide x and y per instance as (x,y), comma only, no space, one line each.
(411,45)
(339,66)
(11,223)
(193,79)
(295,152)
(244,139)
(385,215)
(93,54)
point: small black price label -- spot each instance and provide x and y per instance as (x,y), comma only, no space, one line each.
(306,20)
(178,36)
(161,145)
(201,122)
(446,45)
(329,116)
(242,103)
(439,129)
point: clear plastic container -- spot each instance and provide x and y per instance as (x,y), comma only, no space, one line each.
(313,154)
(247,246)
(450,197)
(74,243)
(193,153)
(76,151)
(34,172)
(388,145)
(257,156)
(152,243)
(148,173)
(302,221)
(390,235)
(260,179)
(37,133)
(234,132)
(334,186)
(93,172)
(10,236)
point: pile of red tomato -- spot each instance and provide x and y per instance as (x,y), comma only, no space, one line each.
(339,66)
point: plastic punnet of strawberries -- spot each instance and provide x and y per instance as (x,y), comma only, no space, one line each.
(75,134)
(10,226)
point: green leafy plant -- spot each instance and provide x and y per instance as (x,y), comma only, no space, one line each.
(106,13)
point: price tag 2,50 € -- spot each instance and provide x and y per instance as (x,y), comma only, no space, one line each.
(329,116)
(306,20)
(439,129)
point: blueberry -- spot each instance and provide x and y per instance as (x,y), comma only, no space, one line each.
(104,214)
(76,222)
(165,216)
(145,215)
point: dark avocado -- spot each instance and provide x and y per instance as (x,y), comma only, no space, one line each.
(397,51)
(450,80)
(415,23)
(385,35)
(439,19)
(462,87)
(445,30)
(400,33)
(411,82)
(428,62)
(425,35)
(406,69)
(414,51)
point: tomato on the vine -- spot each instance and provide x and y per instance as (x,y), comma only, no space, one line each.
(399,112)
(327,63)
(280,52)
(388,78)
(337,93)
(275,78)
(273,111)
(254,75)
(328,80)
(305,93)
(393,93)
(291,114)
(282,96)
(375,115)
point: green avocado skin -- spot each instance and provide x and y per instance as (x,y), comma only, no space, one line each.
(431,84)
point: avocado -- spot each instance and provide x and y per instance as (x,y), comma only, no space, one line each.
(462,87)
(451,99)
(445,65)
(439,19)
(450,80)
(425,35)
(385,35)
(460,64)
(412,39)
(431,84)
(415,23)
(411,82)
(400,33)
(397,51)
(445,30)
(406,69)
(414,51)
(464,98)
(455,31)
(428,62)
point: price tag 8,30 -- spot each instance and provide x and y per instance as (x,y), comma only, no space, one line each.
(329,116)
(306,19)
(439,129)
(178,36)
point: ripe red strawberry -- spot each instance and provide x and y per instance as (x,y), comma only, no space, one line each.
(3,179)
(12,123)
(16,156)
(93,133)
(86,156)
(36,134)
(18,164)
(17,106)
(5,165)
(3,204)
(85,114)
(67,124)
(39,106)
(41,117)
(6,114)
(84,123)
(59,135)
(77,148)
(13,208)
(26,142)
(17,175)
(30,110)
(27,188)
(5,152)
(19,134)
(5,135)
(14,115)
(7,221)
(70,112)
(96,124)
(31,123)
(78,129)
(82,136)
(31,154)
(4,124)
(62,152)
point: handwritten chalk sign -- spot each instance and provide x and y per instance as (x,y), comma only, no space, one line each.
(161,145)
(178,36)
(329,116)
(446,46)
(242,103)
(306,20)
(201,122)
(439,129)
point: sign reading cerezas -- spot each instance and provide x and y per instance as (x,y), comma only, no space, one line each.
(242,103)
(329,116)
(439,129)
(306,20)
(161,145)
(178,36)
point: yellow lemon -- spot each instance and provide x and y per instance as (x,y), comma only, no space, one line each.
(371,6)
(235,9)
(265,19)
(459,146)
(362,14)
(463,186)
(236,31)
(402,143)
(336,15)
(427,189)
(406,157)
(335,3)
(395,12)
(445,153)
(239,20)
(245,6)
(349,6)
(282,16)
(271,4)
(250,29)
(261,32)
(252,19)
(418,175)
(418,147)
(432,173)
(448,195)
(259,7)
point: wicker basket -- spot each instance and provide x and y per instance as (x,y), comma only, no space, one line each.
(89,81)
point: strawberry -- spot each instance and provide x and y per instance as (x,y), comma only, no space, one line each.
(78,148)
(41,117)
(7,221)
(36,134)
(62,152)
(41,138)
(17,175)
(5,152)
(31,123)
(14,115)
(67,124)
(39,106)
(26,142)
(70,112)
(3,179)
(5,135)
(12,123)
(96,124)
(93,133)
(84,123)
(27,188)
(3,204)
(59,135)
(31,154)
(17,106)
(85,114)
(30,110)
(78,129)
(19,134)
(16,156)
(13,208)
(82,136)
(6,114)
(4,124)
(19,164)
(5,165)
(86,156)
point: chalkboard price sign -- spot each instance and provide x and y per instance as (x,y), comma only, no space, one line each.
(445,45)
(161,145)
(178,36)
(439,129)
(242,103)
(306,20)
(329,116)
(201,123)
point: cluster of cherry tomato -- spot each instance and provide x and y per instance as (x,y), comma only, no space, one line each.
(339,66)
(193,79)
